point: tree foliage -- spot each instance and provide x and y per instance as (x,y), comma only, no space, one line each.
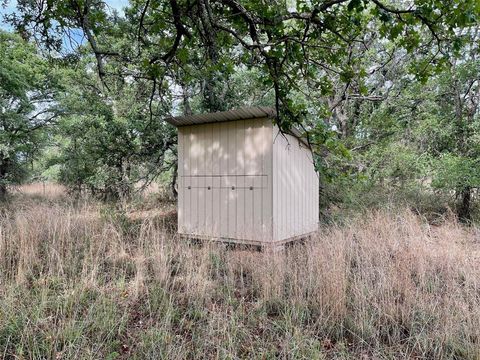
(28,90)
(201,42)
(110,144)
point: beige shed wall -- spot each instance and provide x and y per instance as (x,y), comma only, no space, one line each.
(295,188)
(213,158)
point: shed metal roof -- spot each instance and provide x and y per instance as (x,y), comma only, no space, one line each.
(258,112)
(231,115)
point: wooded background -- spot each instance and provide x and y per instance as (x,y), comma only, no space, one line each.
(387,92)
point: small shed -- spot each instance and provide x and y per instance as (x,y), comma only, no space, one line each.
(241,180)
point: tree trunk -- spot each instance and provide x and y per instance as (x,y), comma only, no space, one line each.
(464,209)
(3,184)
(461,136)
(174,179)
(3,192)
(213,99)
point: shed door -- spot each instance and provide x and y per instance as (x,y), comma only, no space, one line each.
(227,206)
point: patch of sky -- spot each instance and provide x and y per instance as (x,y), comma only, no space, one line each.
(72,38)
(7,7)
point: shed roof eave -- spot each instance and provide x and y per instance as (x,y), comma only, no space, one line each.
(244,113)
(258,112)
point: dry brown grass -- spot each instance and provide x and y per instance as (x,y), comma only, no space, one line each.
(85,281)
(45,190)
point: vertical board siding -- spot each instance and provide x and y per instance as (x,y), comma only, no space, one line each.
(228,169)
(250,167)
(207,186)
(265,141)
(239,216)
(180,183)
(231,216)
(222,169)
(215,181)
(295,188)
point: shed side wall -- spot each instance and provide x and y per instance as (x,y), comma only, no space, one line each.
(225,180)
(295,188)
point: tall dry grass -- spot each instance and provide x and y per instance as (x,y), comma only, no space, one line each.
(83,281)
(40,189)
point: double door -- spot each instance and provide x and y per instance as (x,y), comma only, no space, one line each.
(223,206)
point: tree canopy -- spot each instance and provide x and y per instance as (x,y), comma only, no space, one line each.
(28,92)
